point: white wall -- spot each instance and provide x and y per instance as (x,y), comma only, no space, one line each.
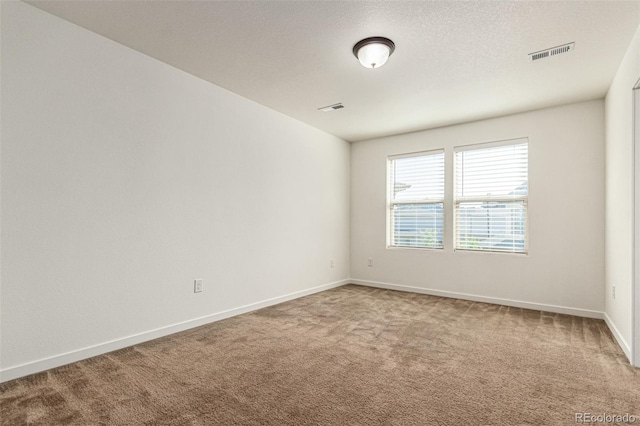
(564,267)
(123,179)
(619,190)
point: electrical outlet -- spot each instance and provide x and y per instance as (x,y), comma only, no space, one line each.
(370,262)
(613,291)
(332,263)
(197,286)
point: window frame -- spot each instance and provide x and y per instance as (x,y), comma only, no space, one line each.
(494,198)
(391,203)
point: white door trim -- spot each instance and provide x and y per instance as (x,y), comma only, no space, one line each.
(635,288)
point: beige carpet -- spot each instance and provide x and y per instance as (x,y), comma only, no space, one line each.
(348,356)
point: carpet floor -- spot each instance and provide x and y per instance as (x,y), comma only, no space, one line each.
(348,356)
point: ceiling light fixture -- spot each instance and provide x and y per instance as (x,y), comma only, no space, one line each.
(373,52)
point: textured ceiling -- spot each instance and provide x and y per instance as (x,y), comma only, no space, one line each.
(454,61)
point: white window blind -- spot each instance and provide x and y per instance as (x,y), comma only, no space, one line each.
(416,200)
(490,200)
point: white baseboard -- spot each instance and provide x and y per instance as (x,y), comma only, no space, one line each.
(476,298)
(102,348)
(626,348)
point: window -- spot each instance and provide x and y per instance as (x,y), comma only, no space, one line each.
(490,200)
(416,200)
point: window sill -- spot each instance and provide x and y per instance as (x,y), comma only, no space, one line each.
(501,253)
(439,249)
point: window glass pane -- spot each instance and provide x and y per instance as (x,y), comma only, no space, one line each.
(494,171)
(492,226)
(418,178)
(491,198)
(416,200)
(417,225)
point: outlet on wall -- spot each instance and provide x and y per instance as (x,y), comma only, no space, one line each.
(332,263)
(370,262)
(613,291)
(197,286)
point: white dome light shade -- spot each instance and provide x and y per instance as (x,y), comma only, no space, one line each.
(373,55)
(373,52)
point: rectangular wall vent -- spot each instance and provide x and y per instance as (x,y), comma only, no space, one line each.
(331,107)
(565,48)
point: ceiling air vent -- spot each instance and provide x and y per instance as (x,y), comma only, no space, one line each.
(331,107)
(565,48)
